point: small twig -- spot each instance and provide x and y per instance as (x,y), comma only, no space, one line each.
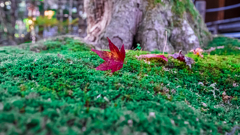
(165,42)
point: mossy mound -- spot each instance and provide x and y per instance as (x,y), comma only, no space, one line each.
(58,91)
(223,41)
(227,50)
(224,46)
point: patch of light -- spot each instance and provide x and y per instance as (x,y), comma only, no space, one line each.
(54,6)
(74,10)
(7,3)
(84,15)
(16,35)
(8,7)
(30,21)
(2,4)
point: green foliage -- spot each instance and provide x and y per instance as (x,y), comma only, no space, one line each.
(44,21)
(138,47)
(227,50)
(44,93)
(157,52)
(13,50)
(191,8)
(66,46)
(181,6)
(231,46)
(158,1)
(223,41)
(178,7)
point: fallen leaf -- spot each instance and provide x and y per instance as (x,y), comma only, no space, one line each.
(189,61)
(198,52)
(178,56)
(226,98)
(153,57)
(235,85)
(113,60)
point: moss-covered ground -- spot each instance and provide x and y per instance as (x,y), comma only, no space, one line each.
(224,41)
(231,46)
(58,91)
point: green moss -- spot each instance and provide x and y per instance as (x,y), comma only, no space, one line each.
(207,33)
(153,3)
(223,41)
(64,46)
(158,1)
(191,8)
(227,50)
(179,7)
(177,23)
(42,93)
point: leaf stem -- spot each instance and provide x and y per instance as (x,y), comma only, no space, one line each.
(165,42)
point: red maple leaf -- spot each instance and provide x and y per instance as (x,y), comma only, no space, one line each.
(113,60)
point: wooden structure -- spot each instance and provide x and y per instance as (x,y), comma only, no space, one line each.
(221,16)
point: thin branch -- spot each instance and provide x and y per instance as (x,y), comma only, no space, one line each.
(165,42)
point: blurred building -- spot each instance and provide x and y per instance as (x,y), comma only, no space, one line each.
(221,16)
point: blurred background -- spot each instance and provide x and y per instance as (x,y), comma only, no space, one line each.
(24,21)
(221,16)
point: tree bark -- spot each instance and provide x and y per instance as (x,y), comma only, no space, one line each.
(98,17)
(130,22)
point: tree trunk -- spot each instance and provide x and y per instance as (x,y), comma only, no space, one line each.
(130,22)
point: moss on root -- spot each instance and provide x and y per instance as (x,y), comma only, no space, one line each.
(179,7)
(153,3)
